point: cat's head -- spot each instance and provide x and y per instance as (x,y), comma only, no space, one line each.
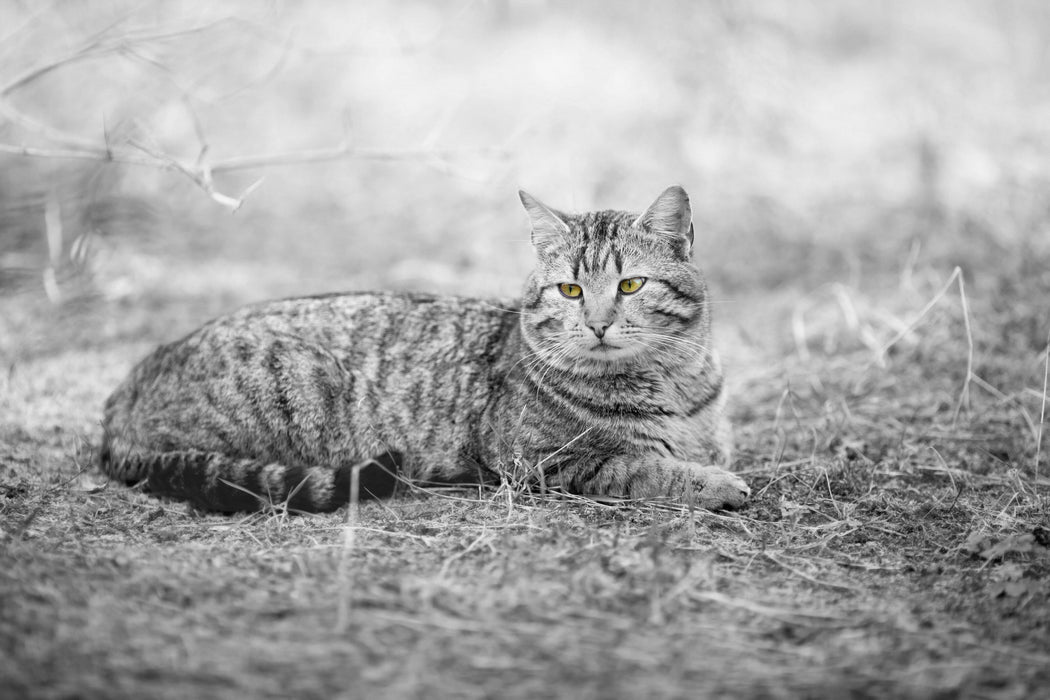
(612,287)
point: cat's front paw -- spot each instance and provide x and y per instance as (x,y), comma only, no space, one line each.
(715,488)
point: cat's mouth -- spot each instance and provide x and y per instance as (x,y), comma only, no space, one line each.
(607,353)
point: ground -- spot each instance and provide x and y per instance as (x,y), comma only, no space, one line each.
(871,212)
(893,548)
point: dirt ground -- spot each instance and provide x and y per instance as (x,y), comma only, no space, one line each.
(892,549)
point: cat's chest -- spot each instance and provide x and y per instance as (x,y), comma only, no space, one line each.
(650,398)
(649,409)
(645,412)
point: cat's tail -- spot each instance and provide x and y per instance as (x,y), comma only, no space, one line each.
(215,481)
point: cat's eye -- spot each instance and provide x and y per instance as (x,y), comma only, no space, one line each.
(632,285)
(570,290)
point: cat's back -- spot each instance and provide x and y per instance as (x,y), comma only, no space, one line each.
(382,337)
(361,322)
(392,357)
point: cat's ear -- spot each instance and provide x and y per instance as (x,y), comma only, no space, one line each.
(547,224)
(670,215)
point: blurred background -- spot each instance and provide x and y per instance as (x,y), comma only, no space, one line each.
(381,145)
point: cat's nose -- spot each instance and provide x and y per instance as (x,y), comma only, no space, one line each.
(599,327)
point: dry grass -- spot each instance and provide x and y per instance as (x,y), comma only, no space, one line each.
(889,417)
(892,549)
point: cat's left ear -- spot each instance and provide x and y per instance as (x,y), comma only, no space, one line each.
(671,216)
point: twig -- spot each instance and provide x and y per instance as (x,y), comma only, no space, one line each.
(982,479)
(922,314)
(780,404)
(86,153)
(344,151)
(200,174)
(94,48)
(831,494)
(184,94)
(69,142)
(947,470)
(71,146)
(539,464)
(265,77)
(908,270)
(342,620)
(798,332)
(1006,398)
(53,231)
(1042,407)
(964,395)
(99,47)
(957,275)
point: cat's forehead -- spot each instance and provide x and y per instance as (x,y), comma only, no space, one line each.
(606,224)
(601,243)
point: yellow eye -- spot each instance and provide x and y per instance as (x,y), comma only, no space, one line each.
(570,290)
(630,286)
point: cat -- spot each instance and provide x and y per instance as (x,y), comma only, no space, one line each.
(600,380)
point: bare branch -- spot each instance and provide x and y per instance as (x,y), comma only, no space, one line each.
(65,145)
(346,151)
(51,133)
(201,172)
(94,48)
(99,47)
(267,75)
(76,154)
(184,94)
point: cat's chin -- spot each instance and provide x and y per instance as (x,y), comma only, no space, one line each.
(608,353)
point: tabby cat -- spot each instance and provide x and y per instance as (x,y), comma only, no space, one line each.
(600,380)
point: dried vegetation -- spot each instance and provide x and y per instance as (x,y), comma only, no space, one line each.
(886,330)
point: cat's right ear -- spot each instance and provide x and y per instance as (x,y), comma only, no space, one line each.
(547,224)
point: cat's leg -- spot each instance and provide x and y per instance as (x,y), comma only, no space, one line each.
(653,476)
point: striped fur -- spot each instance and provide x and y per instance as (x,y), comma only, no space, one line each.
(606,393)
